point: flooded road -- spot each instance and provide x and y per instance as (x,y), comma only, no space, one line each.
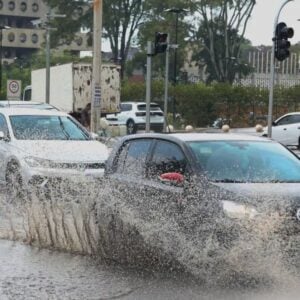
(27,272)
(30,273)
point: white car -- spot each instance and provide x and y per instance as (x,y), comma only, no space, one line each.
(27,104)
(133,116)
(38,145)
(286,129)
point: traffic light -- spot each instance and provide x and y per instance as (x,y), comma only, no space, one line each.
(282,45)
(161,43)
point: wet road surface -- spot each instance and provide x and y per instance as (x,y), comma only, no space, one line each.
(30,273)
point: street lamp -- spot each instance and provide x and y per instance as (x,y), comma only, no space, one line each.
(1,38)
(176,11)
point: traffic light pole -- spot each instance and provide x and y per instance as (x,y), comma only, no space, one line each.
(272,75)
(148,85)
(166,85)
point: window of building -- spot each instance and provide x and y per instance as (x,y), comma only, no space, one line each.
(35,7)
(23,6)
(34,38)
(23,37)
(79,41)
(11,5)
(11,36)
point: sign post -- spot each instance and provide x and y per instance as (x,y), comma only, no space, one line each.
(14,88)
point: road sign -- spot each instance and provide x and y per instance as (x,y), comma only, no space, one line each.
(14,89)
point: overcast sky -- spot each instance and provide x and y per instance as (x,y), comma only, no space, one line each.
(260,27)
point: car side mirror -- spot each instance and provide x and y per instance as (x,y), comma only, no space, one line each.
(3,137)
(274,123)
(172,178)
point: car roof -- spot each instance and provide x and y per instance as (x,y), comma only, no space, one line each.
(18,111)
(190,137)
(14,102)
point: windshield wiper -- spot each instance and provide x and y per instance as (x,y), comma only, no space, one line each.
(227,180)
(64,129)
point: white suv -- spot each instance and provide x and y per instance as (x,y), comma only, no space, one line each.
(133,115)
(286,129)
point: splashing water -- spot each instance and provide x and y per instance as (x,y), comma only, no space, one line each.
(97,219)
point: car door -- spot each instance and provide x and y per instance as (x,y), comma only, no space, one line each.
(167,157)
(126,112)
(287,130)
(129,169)
(4,147)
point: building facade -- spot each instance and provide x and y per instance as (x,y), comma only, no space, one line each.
(23,37)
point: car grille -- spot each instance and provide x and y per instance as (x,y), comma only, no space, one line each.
(80,166)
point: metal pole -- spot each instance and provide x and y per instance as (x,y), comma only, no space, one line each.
(175,65)
(1,32)
(148,85)
(271,92)
(47,63)
(97,60)
(166,85)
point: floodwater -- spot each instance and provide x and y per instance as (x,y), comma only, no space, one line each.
(31,267)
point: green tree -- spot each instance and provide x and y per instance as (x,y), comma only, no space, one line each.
(221,36)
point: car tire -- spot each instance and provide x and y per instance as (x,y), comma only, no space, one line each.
(14,183)
(131,127)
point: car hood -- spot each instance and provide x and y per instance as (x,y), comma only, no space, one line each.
(264,195)
(64,151)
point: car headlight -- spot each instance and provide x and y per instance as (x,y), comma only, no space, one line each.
(238,211)
(35,162)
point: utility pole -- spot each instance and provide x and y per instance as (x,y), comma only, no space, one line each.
(49,17)
(1,45)
(97,60)
(166,85)
(272,75)
(148,85)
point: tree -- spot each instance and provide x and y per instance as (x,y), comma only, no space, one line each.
(221,34)
(121,20)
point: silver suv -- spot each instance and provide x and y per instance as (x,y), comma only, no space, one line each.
(133,115)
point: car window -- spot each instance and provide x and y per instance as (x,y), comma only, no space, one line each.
(35,127)
(153,107)
(3,125)
(167,157)
(295,119)
(125,107)
(243,161)
(287,120)
(132,158)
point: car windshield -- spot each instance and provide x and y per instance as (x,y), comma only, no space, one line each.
(34,127)
(246,161)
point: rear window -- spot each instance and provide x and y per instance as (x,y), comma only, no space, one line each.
(153,107)
(125,107)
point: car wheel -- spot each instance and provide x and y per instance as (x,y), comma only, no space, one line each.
(14,183)
(131,128)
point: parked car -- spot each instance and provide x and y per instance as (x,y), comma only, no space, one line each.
(199,178)
(133,115)
(286,129)
(37,145)
(27,104)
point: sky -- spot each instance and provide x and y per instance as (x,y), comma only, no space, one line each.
(260,27)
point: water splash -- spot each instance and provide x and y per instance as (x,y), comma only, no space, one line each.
(155,233)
